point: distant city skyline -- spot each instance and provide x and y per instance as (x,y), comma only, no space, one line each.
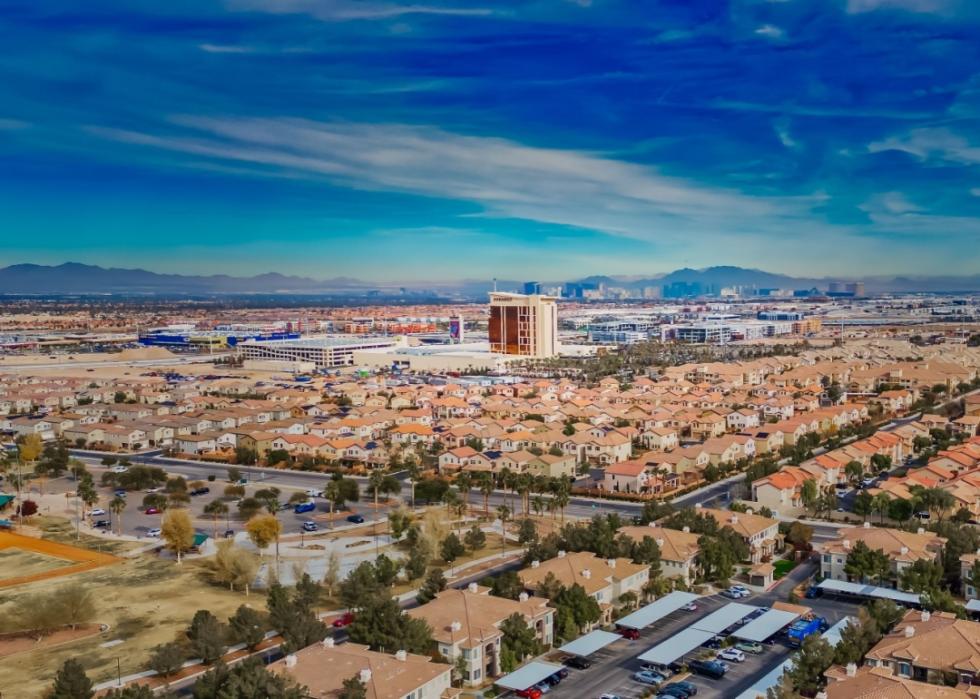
(387,140)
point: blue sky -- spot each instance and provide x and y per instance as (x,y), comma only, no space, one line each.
(447,139)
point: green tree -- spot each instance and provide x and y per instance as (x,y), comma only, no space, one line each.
(206,636)
(866,564)
(353,688)
(583,607)
(248,679)
(518,642)
(527,531)
(863,502)
(435,582)
(922,576)
(451,549)
(167,659)
(294,614)
(380,623)
(133,691)
(506,584)
(475,539)
(899,510)
(809,494)
(813,659)
(247,626)
(71,682)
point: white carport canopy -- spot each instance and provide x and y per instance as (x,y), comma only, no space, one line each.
(655,611)
(677,646)
(718,621)
(869,591)
(766,625)
(973,605)
(590,643)
(528,676)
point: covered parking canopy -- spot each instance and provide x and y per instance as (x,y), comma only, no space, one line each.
(527,676)
(719,620)
(590,643)
(842,586)
(973,605)
(676,646)
(766,625)
(655,611)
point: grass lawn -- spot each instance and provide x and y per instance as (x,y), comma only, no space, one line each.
(782,567)
(145,601)
(21,563)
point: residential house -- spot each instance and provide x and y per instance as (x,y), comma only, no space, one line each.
(902,549)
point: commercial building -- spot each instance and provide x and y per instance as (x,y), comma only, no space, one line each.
(523,325)
(325,352)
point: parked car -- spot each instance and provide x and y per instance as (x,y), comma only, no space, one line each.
(690,607)
(543,687)
(309,526)
(529,693)
(578,662)
(102,524)
(119,469)
(314,493)
(154,532)
(647,677)
(204,490)
(813,592)
(672,692)
(631,634)
(343,620)
(683,686)
(356,519)
(302,507)
(730,595)
(708,668)
(229,533)
(713,643)
(119,492)
(732,654)
(152,510)
(609,696)
(97,512)
(750,647)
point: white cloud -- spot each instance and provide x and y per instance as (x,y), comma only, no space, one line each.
(975,191)
(918,6)
(13,124)
(507,179)
(890,203)
(932,144)
(781,127)
(220,48)
(347,10)
(771,31)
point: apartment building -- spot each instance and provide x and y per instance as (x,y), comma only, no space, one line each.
(902,548)
(760,533)
(678,549)
(323,667)
(466,623)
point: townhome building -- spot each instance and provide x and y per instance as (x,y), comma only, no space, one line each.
(902,549)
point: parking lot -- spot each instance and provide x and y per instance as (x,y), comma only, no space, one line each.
(613,667)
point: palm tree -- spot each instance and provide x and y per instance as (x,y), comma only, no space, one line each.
(879,504)
(216,509)
(562,496)
(464,484)
(522,485)
(414,473)
(486,489)
(538,504)
(503,512)
(116,506)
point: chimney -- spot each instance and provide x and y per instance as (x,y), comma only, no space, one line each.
(328,642)
(290,660)
(401,655)
(660,543)
(820,695)
(365,676)
(653,525)
(925,615)
(535,564)
(867,525)
(455,626)
(686,530)
(523,597)
(922,530)
(561,554)
(904,550)
(847,544)
(909,632)
(698,505)
(611,562)
(472,587)
(734,519)
(851,669)
(587,574)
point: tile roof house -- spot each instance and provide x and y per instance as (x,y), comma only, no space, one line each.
(880,683)
(678,549)
(902,548)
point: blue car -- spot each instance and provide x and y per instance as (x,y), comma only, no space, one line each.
(304,507)
(356,519)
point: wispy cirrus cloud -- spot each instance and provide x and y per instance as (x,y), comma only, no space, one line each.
(349,10)
(932,143)
(510,179)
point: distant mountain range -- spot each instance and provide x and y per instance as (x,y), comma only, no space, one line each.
(76,278)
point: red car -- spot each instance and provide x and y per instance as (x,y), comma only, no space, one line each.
(152,510)
(343,621)
(529,693)
(631,634)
